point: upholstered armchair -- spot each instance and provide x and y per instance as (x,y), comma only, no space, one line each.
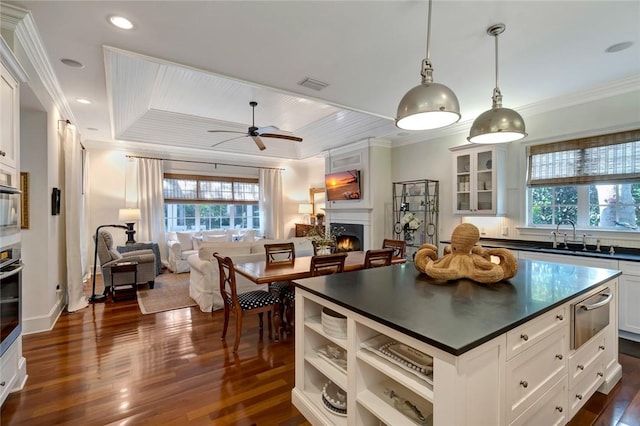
(109,256)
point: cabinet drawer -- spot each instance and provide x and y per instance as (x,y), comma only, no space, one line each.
(551,409)
(629,268)
(585,357)
(587,386)
(533,372)
(525,336)
(8,371)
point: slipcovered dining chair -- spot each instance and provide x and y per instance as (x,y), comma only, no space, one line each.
(109,256)
(256,301)
(399,247)
(378,257)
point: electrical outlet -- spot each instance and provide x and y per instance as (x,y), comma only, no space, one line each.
(505,231)
(482,232)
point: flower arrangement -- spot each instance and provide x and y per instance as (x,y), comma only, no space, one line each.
(327,237)
(410,222)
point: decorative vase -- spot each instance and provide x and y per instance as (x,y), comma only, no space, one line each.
(324,250)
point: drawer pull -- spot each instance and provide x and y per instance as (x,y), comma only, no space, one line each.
(579,396)
(524,384)
(600,374)
(559,409)
(524,337)
(601,347)
(560,318)
(580,367)
(559,356)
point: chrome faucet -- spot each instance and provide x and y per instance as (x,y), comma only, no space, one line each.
(573,226)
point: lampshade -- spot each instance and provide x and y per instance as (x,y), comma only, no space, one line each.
(305,208)
(497,125)
(129,215)
(429,105)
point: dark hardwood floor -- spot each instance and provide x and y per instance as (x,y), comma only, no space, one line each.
(110,365)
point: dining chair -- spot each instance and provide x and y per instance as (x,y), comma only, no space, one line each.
(280,254)
(378,257)
(257,301)
(399,247)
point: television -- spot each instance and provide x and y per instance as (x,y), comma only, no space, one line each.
(343,185)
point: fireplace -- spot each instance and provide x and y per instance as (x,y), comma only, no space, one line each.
(351,238)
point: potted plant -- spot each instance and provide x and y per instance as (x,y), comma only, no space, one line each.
(320,218)
(324,239)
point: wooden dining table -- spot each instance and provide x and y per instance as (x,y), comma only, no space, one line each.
(260,273)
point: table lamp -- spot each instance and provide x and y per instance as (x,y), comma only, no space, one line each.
(305,209)
(129,217)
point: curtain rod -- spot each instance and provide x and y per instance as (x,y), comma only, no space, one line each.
(205,162)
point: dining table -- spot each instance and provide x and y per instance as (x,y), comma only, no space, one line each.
(261,273)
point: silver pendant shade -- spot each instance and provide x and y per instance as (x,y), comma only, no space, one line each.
(429,105)
(497,125)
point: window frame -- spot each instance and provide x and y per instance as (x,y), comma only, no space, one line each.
(199,199)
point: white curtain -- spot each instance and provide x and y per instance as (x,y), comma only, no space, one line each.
(271,204)
(151,203)
(75,220)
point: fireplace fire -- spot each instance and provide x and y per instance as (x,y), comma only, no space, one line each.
(351,238)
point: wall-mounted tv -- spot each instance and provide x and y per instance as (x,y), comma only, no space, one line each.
(343,185)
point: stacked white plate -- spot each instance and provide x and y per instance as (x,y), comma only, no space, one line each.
(333,324)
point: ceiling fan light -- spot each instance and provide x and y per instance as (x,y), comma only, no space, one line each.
(428,106)
(497,125)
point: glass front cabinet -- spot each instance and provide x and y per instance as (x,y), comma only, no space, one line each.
(479,184)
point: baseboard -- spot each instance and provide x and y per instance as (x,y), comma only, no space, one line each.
(44,322)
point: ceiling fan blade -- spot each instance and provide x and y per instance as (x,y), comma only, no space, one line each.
(287,137)
(259,142)
(227,140)
(226,131)
(266,129)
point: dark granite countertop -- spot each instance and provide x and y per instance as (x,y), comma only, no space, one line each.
(455,316)
(621,253)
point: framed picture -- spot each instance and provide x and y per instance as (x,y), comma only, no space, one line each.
(24,197)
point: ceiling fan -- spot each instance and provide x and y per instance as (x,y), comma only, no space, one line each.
(256,133)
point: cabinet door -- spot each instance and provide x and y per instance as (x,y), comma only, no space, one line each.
(482,182)
(629,315)
(477,183)
(9,125)
(462,201)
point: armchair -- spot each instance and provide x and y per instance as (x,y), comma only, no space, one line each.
(109,256)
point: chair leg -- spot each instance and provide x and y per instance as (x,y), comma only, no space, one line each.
(269,324)
(261,322)
(226,322)
(151,284)
(276,321)
(238,331)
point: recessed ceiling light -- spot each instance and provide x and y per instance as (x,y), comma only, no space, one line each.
(121,22)
(71,63)
(618,47)
(93,129)
(83,100)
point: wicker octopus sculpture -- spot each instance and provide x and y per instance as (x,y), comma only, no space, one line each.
(464,259)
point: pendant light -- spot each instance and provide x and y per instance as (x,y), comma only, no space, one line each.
(429,105)
(497,125)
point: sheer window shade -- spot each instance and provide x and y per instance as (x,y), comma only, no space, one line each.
(611,158)
(207,189)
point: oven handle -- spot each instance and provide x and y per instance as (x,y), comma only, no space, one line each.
(11,273)
(609,296)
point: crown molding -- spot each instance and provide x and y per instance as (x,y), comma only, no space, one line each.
(12,63)
(21,22)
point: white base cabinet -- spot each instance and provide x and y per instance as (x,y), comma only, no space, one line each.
(528,375)
(13,370)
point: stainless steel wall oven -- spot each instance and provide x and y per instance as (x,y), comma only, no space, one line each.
(9,210)
(10,295)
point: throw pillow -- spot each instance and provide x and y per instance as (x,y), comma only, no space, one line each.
(196,242)
(184,238)
(216,238)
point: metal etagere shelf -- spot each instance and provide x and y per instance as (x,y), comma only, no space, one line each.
(417,199)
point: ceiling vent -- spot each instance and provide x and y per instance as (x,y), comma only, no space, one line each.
(313,84)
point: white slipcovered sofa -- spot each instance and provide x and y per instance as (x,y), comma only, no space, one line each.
(204,278)
(183,244)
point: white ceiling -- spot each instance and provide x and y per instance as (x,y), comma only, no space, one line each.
(192,66)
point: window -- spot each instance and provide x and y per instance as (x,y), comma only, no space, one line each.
(594,182)
(207,202)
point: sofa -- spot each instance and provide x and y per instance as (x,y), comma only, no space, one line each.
(204,278)
(181,245)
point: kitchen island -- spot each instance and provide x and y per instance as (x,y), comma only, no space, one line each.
(501,353)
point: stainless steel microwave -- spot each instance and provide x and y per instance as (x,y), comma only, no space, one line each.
(9,210)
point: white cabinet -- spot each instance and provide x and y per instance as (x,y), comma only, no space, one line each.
(479,180)
(629,318)
(9,121)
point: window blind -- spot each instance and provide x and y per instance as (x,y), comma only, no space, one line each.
(611,158)
(207,189)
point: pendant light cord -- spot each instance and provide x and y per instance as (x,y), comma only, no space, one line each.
(497,96)
(427,69)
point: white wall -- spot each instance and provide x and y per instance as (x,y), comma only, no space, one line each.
(432,159)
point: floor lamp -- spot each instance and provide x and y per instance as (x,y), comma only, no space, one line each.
(99,297)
